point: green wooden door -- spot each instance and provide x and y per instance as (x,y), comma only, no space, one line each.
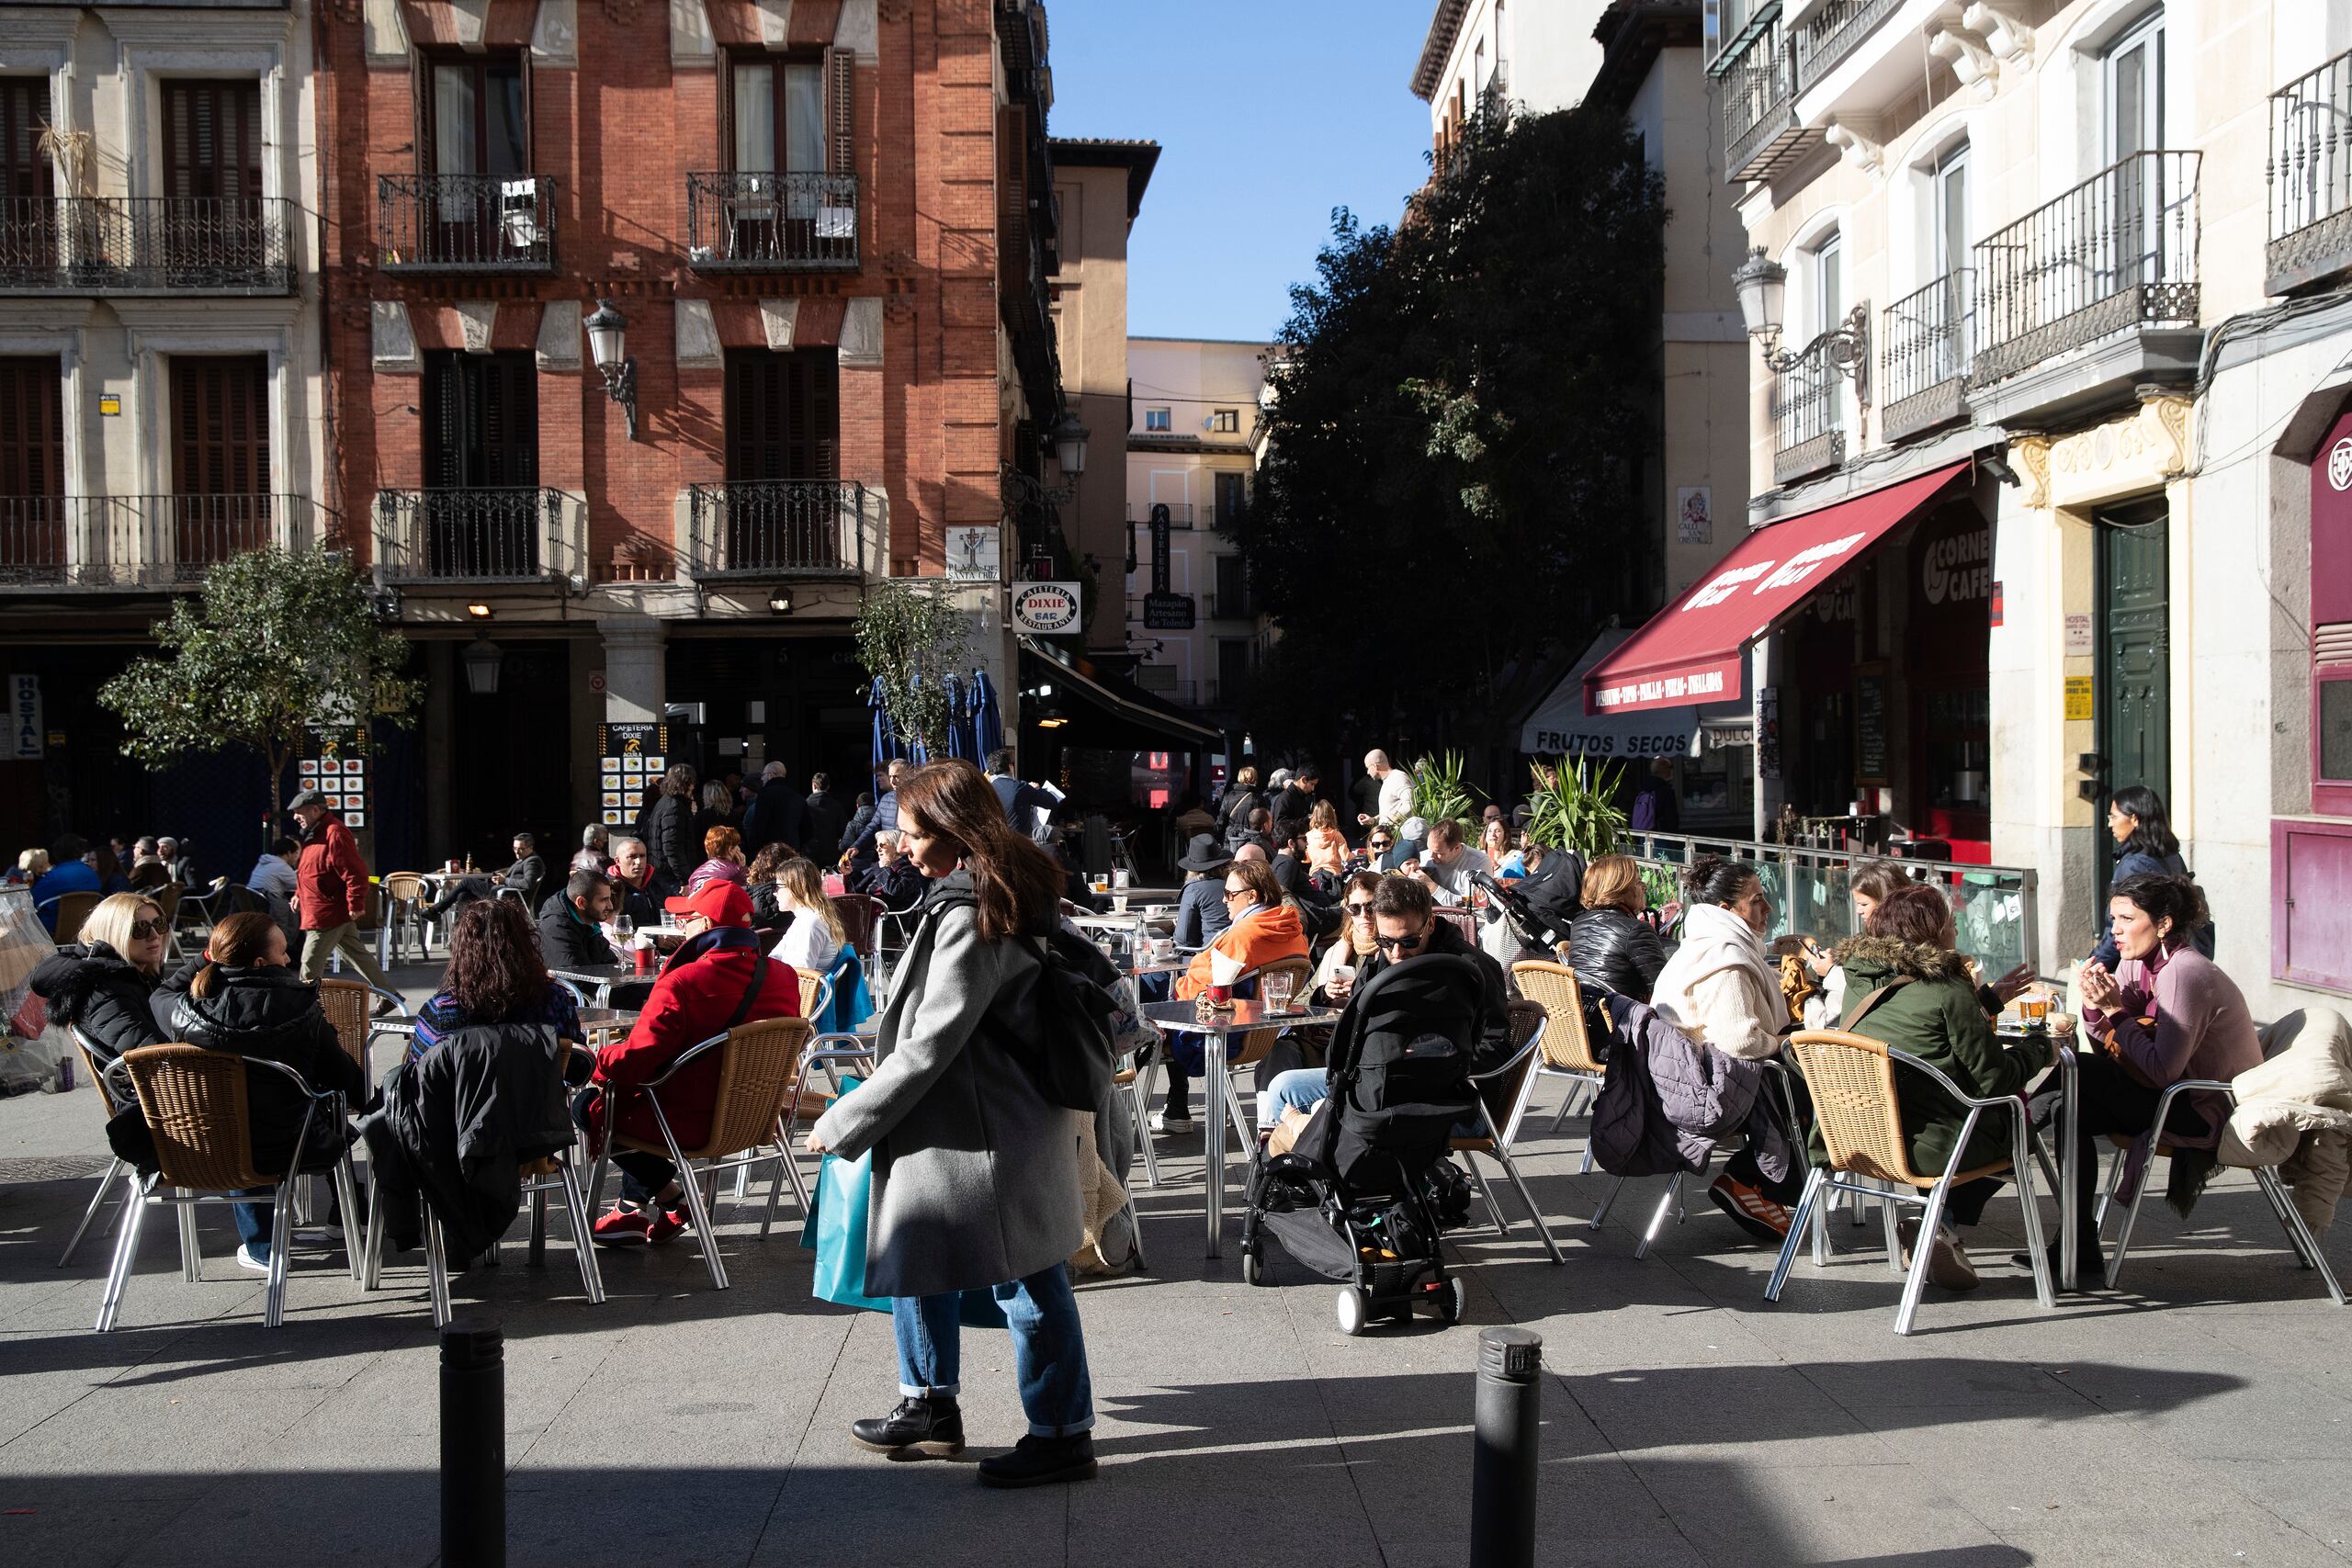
(2135,665)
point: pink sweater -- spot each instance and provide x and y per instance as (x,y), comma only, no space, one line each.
(2201,1028)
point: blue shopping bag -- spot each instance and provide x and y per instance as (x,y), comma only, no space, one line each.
(835,1231)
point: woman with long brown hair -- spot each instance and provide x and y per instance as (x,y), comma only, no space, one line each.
(496,975)
(248,1000)
(975,1185)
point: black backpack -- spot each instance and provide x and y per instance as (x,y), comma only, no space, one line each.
(1070,1060)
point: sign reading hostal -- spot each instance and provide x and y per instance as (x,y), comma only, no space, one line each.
(1046,609)
(25,730)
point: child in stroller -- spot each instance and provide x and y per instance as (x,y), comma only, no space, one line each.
(1365,1192)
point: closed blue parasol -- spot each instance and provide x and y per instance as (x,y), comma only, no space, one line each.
(887,744)
(959,723)
(987,722)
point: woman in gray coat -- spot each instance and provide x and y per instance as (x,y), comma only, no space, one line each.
(976,1185)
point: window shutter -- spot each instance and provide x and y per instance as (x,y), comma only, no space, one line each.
(841,110)
(32,428)
(24,110)
(221,425)
(420,91)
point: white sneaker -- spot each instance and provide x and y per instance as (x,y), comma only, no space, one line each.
(246,1260)
(1163,1123)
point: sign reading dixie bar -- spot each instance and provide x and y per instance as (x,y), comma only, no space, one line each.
(1045,609)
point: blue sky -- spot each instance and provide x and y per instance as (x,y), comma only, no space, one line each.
(1269,115)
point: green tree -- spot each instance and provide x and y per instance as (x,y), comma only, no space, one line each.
(1451,495)
(912,639)
(278,641)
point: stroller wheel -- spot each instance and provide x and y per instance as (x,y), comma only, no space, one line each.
(1253,1271)
(1355,1311)
(1454,1300)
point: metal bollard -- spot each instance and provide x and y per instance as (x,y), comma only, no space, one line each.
(1503,1474)
(473,1445)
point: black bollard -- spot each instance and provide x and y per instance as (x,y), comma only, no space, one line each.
(1503,1474)
(473,1445)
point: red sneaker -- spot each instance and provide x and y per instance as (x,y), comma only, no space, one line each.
(620,1227)
(1754,1213)
(666,1225)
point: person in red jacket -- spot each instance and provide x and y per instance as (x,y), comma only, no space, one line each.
(717,978)
(330,891)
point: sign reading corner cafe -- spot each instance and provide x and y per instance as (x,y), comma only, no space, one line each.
(1046,608)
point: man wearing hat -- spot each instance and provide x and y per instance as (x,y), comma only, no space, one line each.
(331,893)
(716,979)
(1200,908)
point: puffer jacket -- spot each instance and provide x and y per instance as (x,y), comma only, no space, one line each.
(1935,1015)
(2295,1111)
(1613,948)
(670,839)
(271,1015)
(96,990)
(1668,1100)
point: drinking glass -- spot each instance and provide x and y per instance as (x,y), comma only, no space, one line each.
(1122,879)
(624,926)
(1277,990)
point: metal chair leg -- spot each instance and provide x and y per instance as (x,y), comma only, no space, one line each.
(98,1201)
(371,1250)
(1139,1093)
(436,1270)
(2021,1161)
(282,1249)
(692,1191)
(536,1252)
(1894,1233)
(1616,1183)
(583,1247)
(346,1187)
(2297,1232)
(1789,1244)
(1510,1169)
(191,1254)
(1657,1219)
(126,1250)
(1917,1280)
(2130,1218)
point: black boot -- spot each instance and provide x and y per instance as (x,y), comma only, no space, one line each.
(1042,1462)
(933,1427)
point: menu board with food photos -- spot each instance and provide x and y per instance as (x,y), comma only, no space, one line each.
(334,762)
(630,757)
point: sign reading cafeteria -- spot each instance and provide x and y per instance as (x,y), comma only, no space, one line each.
(334,762)
(630,758)
(1046,607)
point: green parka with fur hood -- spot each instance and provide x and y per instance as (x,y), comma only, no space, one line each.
(1937,1018)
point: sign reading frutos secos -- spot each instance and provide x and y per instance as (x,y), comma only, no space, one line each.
(1046,608)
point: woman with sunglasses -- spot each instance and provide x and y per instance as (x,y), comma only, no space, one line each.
(1357,943)
(105,985)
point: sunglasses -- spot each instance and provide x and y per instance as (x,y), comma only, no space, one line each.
(1361,908)
(1400,944)
(142,930)
(1383,844)
(1237,892)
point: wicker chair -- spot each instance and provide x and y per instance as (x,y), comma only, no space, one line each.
(1503,1093)
(553,1173)
(860,913)
(757,1084)
(404,901)
(1855,1105)
(2307,1254)
(350,1006)
(1567,1041)
(196,1110)
(72,909)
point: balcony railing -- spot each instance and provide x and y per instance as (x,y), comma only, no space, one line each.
(1924,373)
(1808,416)
(1830,34)
(117,542)
(2310,176)
(1761,128)
(784,528)
(466,222)
(1180,514)
(772,222)
(2117,252)
(91,244)
(1230,607)
(507,533)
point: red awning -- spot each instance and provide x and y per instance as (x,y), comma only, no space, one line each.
(1692,650)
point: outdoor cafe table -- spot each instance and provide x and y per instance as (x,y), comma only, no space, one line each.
(600,978)
(2067,1065)
(1184,1017)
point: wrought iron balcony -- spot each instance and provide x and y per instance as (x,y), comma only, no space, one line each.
(1179,513)
(2309,176)
(1761,132)
(772,222)
(772,528)
(166,244)
(2117,253)
(1230,607)
(130,542)
(507,534)
(1808,416)
(1924,372)
(1833,32)
(466,222)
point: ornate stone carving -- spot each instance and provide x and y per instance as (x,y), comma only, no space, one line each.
(623,13)
(2170,417)
(477,319)
(779,318)
(2031,454)
(554,34)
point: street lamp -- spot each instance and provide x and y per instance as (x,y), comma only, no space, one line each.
(1762,285)
(608,346)
(483,658)
(1068,438)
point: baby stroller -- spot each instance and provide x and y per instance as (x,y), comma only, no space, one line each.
(1368,1190)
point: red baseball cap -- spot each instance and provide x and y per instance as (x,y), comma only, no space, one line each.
(719,901)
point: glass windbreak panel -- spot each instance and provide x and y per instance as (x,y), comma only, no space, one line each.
(2335,726)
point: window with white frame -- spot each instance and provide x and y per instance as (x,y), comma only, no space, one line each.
(1159,419)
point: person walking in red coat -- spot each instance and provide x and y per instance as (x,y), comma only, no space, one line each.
(330,891)
(717,978)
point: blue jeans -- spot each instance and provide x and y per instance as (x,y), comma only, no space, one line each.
(253,1222)
(1305,1088)
(1049,1349)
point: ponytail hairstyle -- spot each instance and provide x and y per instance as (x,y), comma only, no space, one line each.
(1716,879)
(1018,882)
(239,942)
